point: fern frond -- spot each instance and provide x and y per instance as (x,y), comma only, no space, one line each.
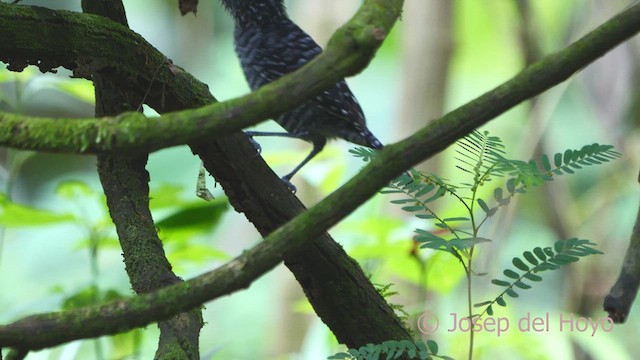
(525,175)
(385,291)
(393,350)
(571,160)
(453,246)
(564,252)
(365,153)
(479,155)
(417,196)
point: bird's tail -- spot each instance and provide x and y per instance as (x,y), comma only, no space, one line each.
(371,141)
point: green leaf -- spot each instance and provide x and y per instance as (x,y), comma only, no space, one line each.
(403,201)
(511,274)
(517,262)
(413,208)
(568,170)
(165,196)
(511,185)
(14,215)
(547,266)
(512,293)
(79,88)
(202,215)
(481,304)
(365,153)
(540,254)
(568,156)
(431,241)
(592,251)
(353,352)
(547,250)
(390,191)
(438,194)
(576,252)
(340,356)
(456,219)
(433,347)
(557,160)
(500,282)
(544,159)
(390,352)
(403,180)
(467,242)
(126,344)
(490,310)
(560,245)
(532,277)
(426,188)
(500,301)
(522,285)
(196,253)
(498,194)
(562,259)
(530,258)
(412,351)
(73,189)
(85,297)
(484,206)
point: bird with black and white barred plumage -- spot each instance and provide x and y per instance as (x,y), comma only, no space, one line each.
(269,46)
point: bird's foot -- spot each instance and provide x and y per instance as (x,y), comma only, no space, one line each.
(255,145)
(287,182)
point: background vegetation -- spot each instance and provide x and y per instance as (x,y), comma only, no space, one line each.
(66,253)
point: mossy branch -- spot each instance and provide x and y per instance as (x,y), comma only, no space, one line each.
(124,180)
(50,329)
(334,283)
(349,51)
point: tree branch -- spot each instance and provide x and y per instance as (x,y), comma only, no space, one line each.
(333,282)
(125,183)
(349,51)
(121,315)
(622,294)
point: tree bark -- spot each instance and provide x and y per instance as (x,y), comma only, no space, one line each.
(125,183)
(336,286)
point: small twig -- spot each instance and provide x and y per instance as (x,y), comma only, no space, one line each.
(621,296)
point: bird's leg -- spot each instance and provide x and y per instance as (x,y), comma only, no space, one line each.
(318,145)
(255,144)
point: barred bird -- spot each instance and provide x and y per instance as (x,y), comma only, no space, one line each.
(269,46)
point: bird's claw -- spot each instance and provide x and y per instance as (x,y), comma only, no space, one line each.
(287,182)
(255,145)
